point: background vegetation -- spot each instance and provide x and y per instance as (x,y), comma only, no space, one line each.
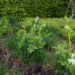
(34,40)
(32,8)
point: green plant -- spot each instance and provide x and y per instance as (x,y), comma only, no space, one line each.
(29,47)
(46,8)
(49,34)
(15,25)
(26,24)
(68,30)
(33,8)
(62,55)
(4,25)
(73,36)
(14,54)
(72,63)
(4,69)
(11,41)
(16,72)
(30,39)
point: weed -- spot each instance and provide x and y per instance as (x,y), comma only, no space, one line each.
(4,69)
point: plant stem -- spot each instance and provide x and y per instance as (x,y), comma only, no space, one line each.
(69,35)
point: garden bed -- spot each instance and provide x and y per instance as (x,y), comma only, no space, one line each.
(36,47)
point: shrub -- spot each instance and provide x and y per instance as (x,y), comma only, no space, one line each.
(48,8)
(4,25)
(32,8)
(62,55)
(30,40)
(49,34)
(29,46)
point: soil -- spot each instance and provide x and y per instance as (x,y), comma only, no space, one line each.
(34,69)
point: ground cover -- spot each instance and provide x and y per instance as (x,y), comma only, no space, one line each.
(37,46)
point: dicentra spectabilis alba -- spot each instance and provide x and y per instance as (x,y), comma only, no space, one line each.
(73,55)
(67,27)
(72,61)
(44,25)
(36,19)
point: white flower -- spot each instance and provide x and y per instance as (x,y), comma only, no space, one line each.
(36,19)
(44,25)
(67,27)
(72,61)
(73,55)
